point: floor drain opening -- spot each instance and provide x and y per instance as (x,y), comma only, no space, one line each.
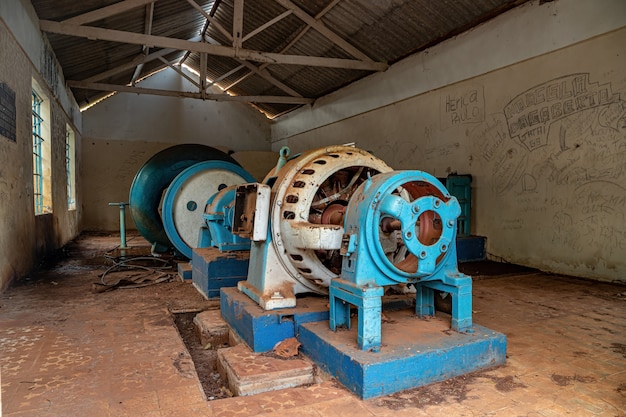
(204,356)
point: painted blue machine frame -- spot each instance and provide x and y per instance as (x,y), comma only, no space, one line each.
(217,230)
(366,270)
(172,190)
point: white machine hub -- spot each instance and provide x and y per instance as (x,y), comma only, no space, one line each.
(309,196)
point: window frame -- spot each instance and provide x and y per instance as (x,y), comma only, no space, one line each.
(70,166)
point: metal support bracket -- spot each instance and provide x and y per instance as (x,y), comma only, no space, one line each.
(368,301)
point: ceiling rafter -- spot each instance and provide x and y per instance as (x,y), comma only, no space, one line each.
(226,75)
(177,69)
(289,45)
(203,70)
(180,44)
(107,11)
(238,25)
(247,37)
(237,38)
(266,25)
(319,26)
(262,73)
(203,85)
(138,59)
(147,30)
(210,18)
(183,94)
(268,77)
(216,4)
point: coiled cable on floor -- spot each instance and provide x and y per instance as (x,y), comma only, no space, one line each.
(162,272)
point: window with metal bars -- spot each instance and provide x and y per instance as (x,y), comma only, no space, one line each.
(37,153)
(70,167)
(42,150)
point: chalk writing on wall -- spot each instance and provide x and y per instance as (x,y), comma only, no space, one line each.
(462,106)
(505,160)
(400,155)
(557,155)
(530,114)
(593,217)
(442,150)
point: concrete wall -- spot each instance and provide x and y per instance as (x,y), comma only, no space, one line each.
(25,238)
(122,132)
(533,105)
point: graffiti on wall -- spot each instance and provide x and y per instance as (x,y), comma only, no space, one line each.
(530,114)
(461,106)
(558,149)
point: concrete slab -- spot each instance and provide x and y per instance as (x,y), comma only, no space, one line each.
(250,373)
(414,352)
(212,328)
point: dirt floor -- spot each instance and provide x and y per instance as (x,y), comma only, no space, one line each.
(128,277)
(565,354)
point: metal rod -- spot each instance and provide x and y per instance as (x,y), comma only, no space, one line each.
(122,223)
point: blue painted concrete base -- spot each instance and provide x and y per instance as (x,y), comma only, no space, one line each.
(263,329)
(414,352)
(212,270)
(184,271)
(471,248)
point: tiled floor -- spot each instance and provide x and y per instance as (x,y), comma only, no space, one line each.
(66,351)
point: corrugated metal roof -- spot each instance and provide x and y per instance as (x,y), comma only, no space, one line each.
(382,31)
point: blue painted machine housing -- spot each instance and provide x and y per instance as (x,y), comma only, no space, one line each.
(154,177)
(218,220)
(179,181)
(377,199)
(419,206)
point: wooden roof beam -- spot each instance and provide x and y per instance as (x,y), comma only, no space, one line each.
(211,19)
(268,77)
(107,11)
(259,71)
(238,24)
(138,60)
(219,50)
(293,41)
(187,94)
(266,25)
(180,72)
(148,31)
(226,75)
(322,29)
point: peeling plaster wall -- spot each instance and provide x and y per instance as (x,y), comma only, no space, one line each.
(122,132)
(537,115)
(25,238)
